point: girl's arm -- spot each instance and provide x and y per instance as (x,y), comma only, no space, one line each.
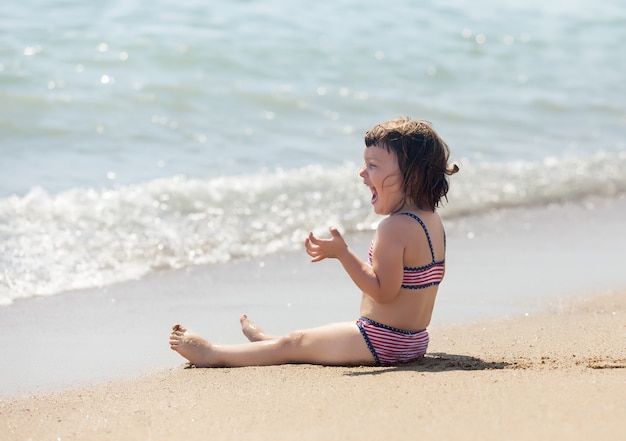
(383,279)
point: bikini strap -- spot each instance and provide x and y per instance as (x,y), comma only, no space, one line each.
(430,244)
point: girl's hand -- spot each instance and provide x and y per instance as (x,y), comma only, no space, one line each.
(320,249)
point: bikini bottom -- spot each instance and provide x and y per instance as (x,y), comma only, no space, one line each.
(392,345)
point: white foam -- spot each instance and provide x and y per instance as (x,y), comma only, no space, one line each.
(84,238)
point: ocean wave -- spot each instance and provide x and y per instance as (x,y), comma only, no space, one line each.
(87,238)
(486,186)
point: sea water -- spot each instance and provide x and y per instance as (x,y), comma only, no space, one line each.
(138,136)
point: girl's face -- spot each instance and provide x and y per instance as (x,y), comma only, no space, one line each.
(381,174)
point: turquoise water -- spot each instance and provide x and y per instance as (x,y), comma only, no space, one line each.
(137,136)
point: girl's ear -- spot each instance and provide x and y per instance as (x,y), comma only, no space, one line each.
(450,170)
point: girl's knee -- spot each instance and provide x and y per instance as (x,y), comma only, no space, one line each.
(293,339)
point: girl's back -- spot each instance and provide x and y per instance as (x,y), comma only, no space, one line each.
(408,253)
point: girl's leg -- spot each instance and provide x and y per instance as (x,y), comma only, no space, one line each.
(252,331)
(337,344)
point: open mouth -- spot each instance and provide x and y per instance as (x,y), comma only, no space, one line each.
(374,195)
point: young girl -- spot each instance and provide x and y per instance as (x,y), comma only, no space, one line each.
(406,168)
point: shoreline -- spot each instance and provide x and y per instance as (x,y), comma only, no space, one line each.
(534,377)
(503,264)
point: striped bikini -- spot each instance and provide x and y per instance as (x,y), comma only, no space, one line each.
(391,345)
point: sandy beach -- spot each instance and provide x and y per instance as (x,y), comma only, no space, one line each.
(528,342)
(503,264)
(558,375)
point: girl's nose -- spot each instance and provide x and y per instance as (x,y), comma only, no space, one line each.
(362,171)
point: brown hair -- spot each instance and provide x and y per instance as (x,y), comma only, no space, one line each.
(422,157)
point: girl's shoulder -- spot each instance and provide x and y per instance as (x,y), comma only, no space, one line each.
(412,216)
(396,225)
(407,223)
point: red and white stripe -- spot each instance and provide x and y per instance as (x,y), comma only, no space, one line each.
(391,346)
(424,276)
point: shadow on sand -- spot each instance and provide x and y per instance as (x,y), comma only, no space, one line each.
(439,362)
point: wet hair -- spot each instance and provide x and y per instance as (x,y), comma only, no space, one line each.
(422,158)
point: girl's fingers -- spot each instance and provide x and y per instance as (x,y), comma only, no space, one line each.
(312,238)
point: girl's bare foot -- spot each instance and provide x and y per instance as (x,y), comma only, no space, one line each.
(191,346)
(252,331)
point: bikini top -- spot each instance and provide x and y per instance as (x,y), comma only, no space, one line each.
(422,276)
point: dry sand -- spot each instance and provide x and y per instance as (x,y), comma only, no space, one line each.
(559,375)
